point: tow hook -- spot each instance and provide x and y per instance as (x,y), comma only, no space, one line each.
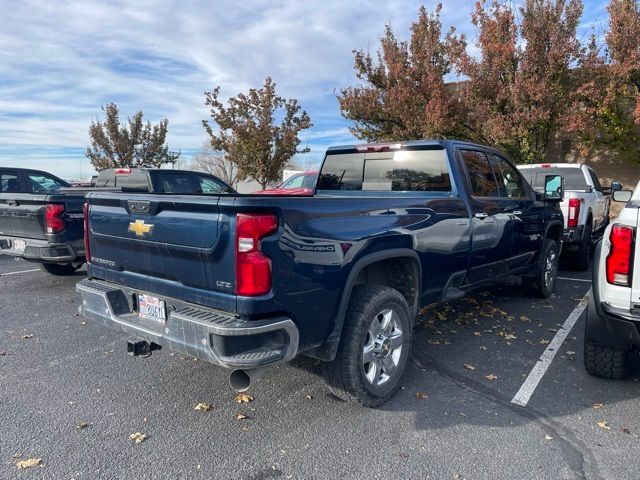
(142,348)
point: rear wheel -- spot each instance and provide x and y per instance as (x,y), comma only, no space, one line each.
(605,362)
(579,260)
(374,347)
(59,269)
(543,283)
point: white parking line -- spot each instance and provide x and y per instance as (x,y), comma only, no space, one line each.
(574,279)
(530,384)
(21,271)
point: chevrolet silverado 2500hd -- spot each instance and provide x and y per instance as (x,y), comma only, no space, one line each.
(246,281)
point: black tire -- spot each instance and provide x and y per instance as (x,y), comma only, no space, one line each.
(604,362)
(538,285)
(580,259)
(59,269)
(348,374)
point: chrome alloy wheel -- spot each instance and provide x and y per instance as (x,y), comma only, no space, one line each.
(550,269)
(382,348)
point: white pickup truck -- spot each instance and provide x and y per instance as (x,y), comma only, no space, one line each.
(585,206)
(613,316)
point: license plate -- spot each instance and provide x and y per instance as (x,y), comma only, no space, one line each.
(151,308)
(19,245)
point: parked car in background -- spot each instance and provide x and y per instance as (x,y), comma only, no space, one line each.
(41,220)
(249,281)
(613,315)
(299,184)
(156,180)
(41,215)
(585,206)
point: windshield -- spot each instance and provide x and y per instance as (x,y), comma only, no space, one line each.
(404,170)
(41,183)
(573,177)
(300,180)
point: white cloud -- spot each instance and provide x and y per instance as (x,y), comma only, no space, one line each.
(60,61)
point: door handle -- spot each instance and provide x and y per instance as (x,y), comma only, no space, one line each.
(481,215)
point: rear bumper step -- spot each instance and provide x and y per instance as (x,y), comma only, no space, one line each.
(217,337)
(43,250)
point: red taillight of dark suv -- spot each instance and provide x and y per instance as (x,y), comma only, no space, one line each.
(53,218)
(620,258)
(253,268)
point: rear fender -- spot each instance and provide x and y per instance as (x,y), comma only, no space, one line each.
(328,350)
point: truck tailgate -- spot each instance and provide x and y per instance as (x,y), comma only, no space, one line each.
(175,246)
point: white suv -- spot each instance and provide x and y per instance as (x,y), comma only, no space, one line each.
(613,316)
(585,206)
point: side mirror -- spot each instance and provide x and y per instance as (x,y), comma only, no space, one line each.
(622,196)
(553,188)
(616,186)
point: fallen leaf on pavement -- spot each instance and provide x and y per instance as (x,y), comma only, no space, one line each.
(548,437)
(482,347)
(571,353)
(625,430)
(510,336)
(28,335)
(469,367)
(597,405)
(604,425)
(544,342)
(203,407)
(421,396)
(477,334)
(82,425)
(241,416)
(243,398)
(309,397)
(434,342)
(491,376)
(138,437)
(30,462)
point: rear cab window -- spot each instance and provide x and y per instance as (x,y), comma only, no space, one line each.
(574,178)
(411,170)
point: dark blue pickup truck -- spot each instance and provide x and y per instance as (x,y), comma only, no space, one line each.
(246,281)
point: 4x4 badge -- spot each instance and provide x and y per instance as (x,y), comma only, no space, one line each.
(140,228)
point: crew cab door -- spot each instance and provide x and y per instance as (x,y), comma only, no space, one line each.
(527,215)
(492,221)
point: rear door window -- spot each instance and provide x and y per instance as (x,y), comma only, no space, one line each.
(481,178)
(9,182)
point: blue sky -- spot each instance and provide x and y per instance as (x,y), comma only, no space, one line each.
(60,61)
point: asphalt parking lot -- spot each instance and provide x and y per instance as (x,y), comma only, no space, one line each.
(71,396)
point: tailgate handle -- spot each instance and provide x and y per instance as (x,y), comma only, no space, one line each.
(137,206)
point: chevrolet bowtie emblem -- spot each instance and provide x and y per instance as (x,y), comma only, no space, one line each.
(140,228)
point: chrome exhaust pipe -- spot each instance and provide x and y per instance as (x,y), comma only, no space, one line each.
(241,380)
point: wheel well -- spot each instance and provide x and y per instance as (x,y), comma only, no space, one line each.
(400,273)
(555,232)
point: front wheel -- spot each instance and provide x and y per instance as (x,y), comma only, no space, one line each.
(59,269)
(374,347)
(543,283)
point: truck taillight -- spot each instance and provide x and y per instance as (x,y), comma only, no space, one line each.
(620,256)
(52,218)
(574,212)
(253,268)
(87,247)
